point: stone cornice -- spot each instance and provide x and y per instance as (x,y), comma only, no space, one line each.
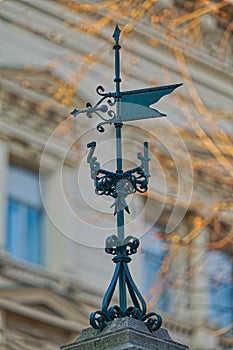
(15,308)
(40,277)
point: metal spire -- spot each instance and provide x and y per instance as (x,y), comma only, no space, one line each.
(129,106)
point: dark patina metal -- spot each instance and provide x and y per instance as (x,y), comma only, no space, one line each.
(119,184)
(129,106)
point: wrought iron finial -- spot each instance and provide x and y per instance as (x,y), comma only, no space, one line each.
(116,34)
(129,106)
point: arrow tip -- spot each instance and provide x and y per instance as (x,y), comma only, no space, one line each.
(75,112)
(116,33)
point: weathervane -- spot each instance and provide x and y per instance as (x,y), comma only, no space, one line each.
(129,106)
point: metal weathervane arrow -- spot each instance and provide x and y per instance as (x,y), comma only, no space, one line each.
(129,106)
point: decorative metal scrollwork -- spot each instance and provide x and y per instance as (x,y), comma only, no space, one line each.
(99,318)
(154,321)
(119,184)
(100,110)
(122,250)
(114,246)
(133,312)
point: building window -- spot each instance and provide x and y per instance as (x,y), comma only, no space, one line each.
(24,216)
(220,279)
(155,281)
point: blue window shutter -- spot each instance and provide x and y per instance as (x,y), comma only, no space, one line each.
(12,226)
(16,229)
(34,236)
(24,221)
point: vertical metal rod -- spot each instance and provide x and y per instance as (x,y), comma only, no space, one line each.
(118,126)
(118,147)
(146,156)
(117,80)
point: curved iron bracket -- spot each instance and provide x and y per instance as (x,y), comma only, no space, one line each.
(99,319)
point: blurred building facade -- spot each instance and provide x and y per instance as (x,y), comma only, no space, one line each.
(52,227)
